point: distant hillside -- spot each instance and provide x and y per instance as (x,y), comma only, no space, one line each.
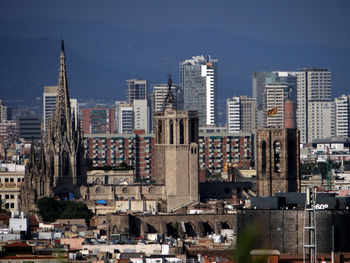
(100,57)
(26,65)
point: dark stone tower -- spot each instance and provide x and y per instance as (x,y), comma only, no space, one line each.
(277,161)
(176,153)
(60,168)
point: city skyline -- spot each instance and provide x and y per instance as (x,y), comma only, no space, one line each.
(121,49)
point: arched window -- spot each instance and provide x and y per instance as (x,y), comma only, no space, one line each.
(263,156)
(182,132)
(277,156)
(193,130)
(171,132)
(160,127)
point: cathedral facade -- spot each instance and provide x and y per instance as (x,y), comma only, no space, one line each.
(58,169)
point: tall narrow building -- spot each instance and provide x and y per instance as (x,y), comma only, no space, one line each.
(198,78)
(124,117)
(342,116)
(240,114)
(313,85)
(233,115)
(261,81)
(59,169)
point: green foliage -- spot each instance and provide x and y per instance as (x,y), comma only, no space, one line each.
(246,243)
(51,209)
(323,168)
(208,174)
(306,168)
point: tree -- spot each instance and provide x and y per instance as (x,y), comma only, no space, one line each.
(51,209)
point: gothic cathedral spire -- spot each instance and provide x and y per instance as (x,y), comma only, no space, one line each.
(63,111)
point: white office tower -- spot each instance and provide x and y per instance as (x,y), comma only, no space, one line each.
(141,115)
(313,85)
(275,96)
(342,116)
(198,78)
(5,112)
(321,120)
(49,104)
(124,117)
(233,115)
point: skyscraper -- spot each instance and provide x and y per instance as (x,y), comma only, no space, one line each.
(248,118)
(342,114)
(240,114)
(141,115)
(321,120)
(263,80)
(275,96)
(233,115)
(137,90)
(313,85)
(198,78)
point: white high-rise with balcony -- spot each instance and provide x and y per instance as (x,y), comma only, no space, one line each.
(342,116)
(233,115)
(198,78)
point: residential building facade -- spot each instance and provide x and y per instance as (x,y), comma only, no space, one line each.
(215,150)
(124,117)
(321,120)
(98,120)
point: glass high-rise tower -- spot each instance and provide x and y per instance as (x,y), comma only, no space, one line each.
(198,78)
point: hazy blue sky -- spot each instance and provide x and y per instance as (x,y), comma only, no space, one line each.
(318,22)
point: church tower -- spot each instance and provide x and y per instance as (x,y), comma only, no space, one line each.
(277,161)
(59,169)
(176,152)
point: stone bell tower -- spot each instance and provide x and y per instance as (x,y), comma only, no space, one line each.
(176,152)
(277,161)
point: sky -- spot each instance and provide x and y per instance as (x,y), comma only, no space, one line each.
(315,22)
